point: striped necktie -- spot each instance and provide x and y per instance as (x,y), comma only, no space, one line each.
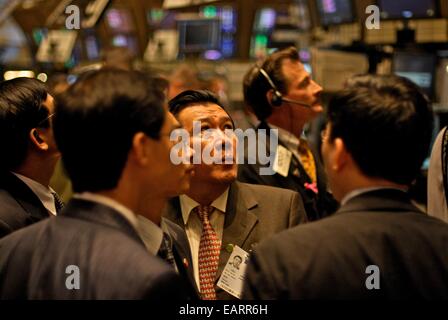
(58,203)
(209,249)
(166,250)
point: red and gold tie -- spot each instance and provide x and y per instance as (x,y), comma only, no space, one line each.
(307,160)
(209,249)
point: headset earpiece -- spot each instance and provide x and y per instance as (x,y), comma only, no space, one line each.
(277,98)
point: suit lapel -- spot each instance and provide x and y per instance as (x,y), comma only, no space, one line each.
(182,254)
(238,224)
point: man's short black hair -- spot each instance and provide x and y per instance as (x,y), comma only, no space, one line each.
(190,98)
(255,85)
(96,120)
(386,125)
(21,110)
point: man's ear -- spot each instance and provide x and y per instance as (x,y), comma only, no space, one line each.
(269,95)
(38,140)
(341,157)
(141,148)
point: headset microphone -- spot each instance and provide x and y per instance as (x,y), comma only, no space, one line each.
(277,98)
(303,104)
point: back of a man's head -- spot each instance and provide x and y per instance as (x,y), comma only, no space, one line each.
(386,125)
(21,110)
(96,120)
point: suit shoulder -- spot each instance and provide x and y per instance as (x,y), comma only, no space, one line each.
(264,190)
(10,208)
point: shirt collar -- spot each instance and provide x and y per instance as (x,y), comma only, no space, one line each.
(354,193)
(151,234)
(45,194)
(187,204)
(287,138)
(106,201)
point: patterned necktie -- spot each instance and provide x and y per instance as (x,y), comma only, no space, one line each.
(58,203)
(307,160)
(209,249)
(166,250)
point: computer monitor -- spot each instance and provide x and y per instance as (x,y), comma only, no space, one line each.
(407,9)
(119,20)
(333,12)
(199,35)
(417,67)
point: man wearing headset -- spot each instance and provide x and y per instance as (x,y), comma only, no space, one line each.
(282,95)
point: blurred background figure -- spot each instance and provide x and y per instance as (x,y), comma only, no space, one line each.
(57,83)
(184,77)
(118,58)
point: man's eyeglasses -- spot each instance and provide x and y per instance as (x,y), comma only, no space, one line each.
(45,120)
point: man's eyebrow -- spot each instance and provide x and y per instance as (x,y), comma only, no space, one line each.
(222,118)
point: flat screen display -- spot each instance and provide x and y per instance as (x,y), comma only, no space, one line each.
(333,12)
(417,67)
(196,36)
(407,9)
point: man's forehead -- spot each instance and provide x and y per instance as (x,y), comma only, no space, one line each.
(204,111)
(294,69)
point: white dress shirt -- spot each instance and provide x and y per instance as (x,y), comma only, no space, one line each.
(151,234)
(108,202)
(193,224)
(45,194)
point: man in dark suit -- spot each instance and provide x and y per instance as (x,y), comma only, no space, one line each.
(30,154)
(113,132)
(181,258)
(217,212)
(378,245)
(283,97)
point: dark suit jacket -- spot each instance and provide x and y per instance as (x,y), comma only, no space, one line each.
(328,259)
(182,256)
(253,213)
(317,206)
(19,206)
(112,260)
